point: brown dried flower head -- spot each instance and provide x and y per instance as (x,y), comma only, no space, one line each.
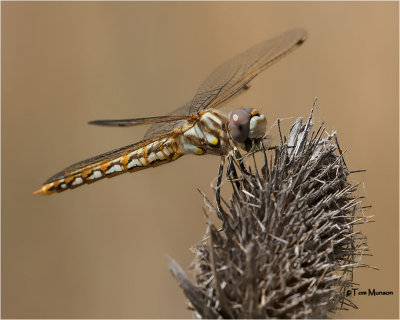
(287,247)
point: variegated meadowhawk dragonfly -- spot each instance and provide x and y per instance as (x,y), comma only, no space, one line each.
(195,128)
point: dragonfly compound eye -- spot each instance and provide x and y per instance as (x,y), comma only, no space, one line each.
(258,125)
(240,125)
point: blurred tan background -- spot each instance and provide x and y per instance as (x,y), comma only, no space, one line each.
(100,251)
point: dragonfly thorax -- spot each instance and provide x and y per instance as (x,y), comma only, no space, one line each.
(206,133)
(213,133)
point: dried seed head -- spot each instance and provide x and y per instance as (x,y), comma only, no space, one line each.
(288,247)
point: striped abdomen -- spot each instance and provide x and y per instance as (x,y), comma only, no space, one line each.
(145,154)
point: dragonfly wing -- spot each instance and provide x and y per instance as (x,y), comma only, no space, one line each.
(165,127)
(233,75)
(137,121)
(134,157)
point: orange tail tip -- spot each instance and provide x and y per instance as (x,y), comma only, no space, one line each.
(43,190)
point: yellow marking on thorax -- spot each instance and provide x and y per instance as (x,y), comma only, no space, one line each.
(214,141)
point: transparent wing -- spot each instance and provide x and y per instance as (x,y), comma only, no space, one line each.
(136,121)
(232,77)
(234,74)
(165,127)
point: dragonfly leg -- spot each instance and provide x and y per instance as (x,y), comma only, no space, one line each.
(231,169)
(218,191)
(239,157)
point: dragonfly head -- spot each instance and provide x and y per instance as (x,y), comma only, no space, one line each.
(246,125)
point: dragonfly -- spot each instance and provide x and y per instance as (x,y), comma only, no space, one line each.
(195,128)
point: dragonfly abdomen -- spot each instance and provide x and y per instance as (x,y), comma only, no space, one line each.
(152,154)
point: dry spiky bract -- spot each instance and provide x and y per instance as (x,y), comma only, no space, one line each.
(287,248)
